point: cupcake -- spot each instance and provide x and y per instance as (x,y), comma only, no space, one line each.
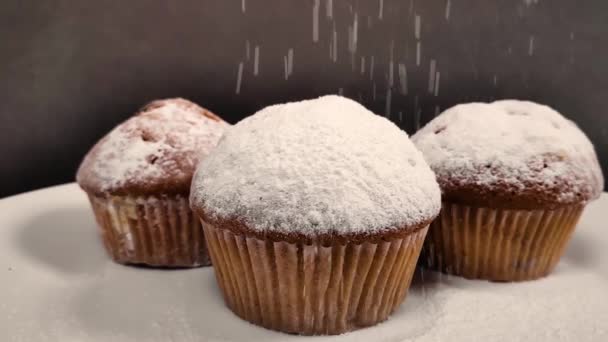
(138,180)
(515,178)
(315,213)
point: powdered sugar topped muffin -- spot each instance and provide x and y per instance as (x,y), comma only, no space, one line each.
(324,166)
(138,180)
(154,151)
(510,153)
(315,213)
(515,177)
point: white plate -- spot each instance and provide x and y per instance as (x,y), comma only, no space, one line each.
(56,284)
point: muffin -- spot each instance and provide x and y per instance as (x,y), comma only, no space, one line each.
(515,178)
(315,213)
(138,179)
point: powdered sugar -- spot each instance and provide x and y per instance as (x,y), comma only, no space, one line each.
(164,141)
(319,166)
(542,310)
(55,267)
(511,142)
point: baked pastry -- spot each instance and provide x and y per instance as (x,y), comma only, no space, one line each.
(515,177)
(138,180)
(314,213)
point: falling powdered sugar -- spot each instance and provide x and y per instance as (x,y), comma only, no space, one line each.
(162,143)
(323,166)
(513,144)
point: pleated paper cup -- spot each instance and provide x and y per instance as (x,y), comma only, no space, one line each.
(498,244)
(150,231)
(311,289)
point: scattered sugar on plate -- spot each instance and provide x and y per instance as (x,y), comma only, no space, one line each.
(318,166)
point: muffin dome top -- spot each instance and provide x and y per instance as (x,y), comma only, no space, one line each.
(326,166)
(510,154)
(153,152)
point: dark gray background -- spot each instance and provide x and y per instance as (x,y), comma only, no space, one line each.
(71,70)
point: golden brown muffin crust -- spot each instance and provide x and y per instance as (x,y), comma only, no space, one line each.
(153,152)
(510,154)
(237,226)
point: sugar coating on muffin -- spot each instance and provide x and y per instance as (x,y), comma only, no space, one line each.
(510,152)
(322,166)
(154,151)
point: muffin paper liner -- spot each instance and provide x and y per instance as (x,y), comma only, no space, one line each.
(150,230)
(498,244)
(312,289)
